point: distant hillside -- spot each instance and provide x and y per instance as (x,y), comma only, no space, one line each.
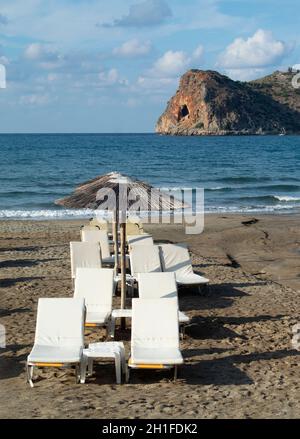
(279,87)
(208,103)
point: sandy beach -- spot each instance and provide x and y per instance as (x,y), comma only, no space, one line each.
(238,357)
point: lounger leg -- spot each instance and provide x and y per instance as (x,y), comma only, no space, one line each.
(77,373)
(182,332)
(83,366)
(112,327)
(90,366)
(124,364)
(29,371)
(118,367)
(175,373)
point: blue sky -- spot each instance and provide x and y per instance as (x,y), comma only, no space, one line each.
(111,66)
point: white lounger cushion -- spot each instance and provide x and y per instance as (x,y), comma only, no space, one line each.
(160,286)
(176,258)
(144,259)
(96,286)
(54,354)
(84,254)
(165,356)
(140,239)
(157,285)
(155,343)
(99,236)
(59,335)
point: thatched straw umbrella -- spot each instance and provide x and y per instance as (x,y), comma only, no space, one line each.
(96,194)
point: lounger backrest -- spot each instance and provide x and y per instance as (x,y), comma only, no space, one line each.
(99,236)
(176,258)
(155,323)
(100,223)
(60,322)
(157,285)
(84,254)
(133,228)
(144,259)
(144,239)
(96,287)
(88,228)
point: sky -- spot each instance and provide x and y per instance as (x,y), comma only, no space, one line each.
(111,66)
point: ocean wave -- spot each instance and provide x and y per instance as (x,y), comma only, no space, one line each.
(286,198)
(46,213)
(268,199)
(219,188)
(253,209)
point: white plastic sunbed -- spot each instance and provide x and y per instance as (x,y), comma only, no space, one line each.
(84,255)
(101,237)
(59,335)
(155,335)
(176,258)
(144,259)
(144,239)
(160,286)
(96,286)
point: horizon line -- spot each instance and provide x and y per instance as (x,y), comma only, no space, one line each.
(75,132)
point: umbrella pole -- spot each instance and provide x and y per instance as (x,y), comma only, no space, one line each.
(116,245)
(123,271)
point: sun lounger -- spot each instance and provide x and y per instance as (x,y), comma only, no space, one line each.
(96,286)
(101,237)
(144,239)
(176,258)
(59,336)
(144,259)
(84,255)
(160,286)
(155,334)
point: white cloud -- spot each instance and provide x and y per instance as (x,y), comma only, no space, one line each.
(147,13)
(111,77)
(174,63)
(171,63)
(4,60)
(245,74)
(260,50)
(42,52)
(198,53)
(133,48)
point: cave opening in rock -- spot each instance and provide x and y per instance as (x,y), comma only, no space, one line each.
(183,112)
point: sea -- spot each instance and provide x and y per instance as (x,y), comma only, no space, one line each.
(251,174)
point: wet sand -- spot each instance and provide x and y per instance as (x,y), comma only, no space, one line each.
(238,357)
